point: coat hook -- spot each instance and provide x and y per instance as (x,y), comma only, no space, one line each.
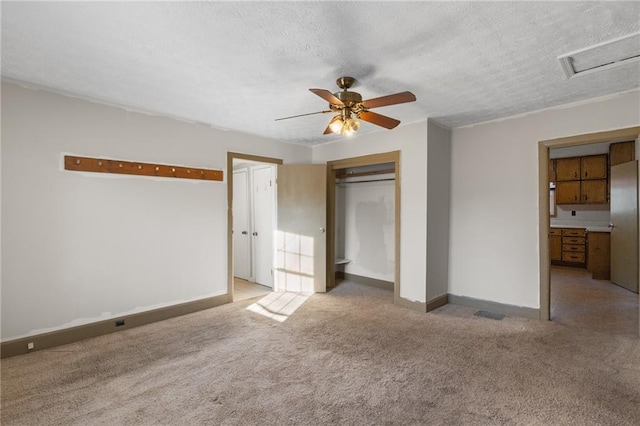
(99,163)
(120,165)
(157,168)
(77,161)
(173,169)
(139,166)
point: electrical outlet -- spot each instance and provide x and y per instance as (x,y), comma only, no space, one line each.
(30,346)
(573,212)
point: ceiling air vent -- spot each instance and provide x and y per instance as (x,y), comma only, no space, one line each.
(602,56)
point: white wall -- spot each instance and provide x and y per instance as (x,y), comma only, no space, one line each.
(369,228)
(81,247)
(411,140)
(586,215)
(494,195)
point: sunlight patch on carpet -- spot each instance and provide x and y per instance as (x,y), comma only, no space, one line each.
(279,305)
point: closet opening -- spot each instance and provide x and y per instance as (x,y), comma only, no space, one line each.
(364,205)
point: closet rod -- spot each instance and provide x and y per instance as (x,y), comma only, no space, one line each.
(370,180)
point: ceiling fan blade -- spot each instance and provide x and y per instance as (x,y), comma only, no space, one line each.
(398,98)
(378,119)
(303,115)
(327,96)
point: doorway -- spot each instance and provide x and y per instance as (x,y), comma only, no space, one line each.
(251,224)
(385,166)
(574,277)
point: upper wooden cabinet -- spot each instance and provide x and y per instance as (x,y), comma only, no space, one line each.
(568,192)
(622,152)
(593,191)
(568,169)
(582,180)
(593,167)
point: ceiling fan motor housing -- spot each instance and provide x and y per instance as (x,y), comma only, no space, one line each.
(348,98)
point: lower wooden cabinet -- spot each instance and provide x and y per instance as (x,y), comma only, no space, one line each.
(599,255)
(567,246)
(555,244)
(577,247)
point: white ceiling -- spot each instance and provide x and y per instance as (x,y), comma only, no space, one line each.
(240,65)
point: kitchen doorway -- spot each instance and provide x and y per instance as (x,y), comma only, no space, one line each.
(571,291)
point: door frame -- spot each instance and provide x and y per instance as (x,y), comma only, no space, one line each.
(230,157)
(544,220)
(366,160)
(248,253)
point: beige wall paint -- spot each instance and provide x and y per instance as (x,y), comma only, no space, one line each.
(80,247)
(494,244)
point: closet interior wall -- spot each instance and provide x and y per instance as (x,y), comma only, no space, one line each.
(365,224)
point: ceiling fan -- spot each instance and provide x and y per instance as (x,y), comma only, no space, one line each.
(347,105)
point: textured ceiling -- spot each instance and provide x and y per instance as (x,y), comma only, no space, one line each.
(241,65)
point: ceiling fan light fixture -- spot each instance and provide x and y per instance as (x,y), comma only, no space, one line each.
(350,127)
(336,125)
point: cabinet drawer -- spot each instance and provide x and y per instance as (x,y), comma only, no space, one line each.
(573,247)
(574,232)
(573,257)
(573,240)
(555,231)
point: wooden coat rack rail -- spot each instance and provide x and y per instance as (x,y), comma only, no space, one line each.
(101,165)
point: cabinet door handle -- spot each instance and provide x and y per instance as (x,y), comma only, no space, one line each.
(255,234)
(244,232)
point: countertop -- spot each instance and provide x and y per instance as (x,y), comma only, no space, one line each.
(589,228)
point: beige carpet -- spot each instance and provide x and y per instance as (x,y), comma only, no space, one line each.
(346,357)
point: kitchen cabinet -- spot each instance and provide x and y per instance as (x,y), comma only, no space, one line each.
(568,192)
(593,191)
(582,180)
(555,244)
(593,167)
(568,169)
(567,246)
(599,255)
(621,152)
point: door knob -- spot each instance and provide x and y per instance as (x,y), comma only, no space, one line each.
(244,232)
(322,229)
(611,225)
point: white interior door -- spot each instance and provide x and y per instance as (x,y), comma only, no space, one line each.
(301,237)
(263,185)
(624,221)
(241,248)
